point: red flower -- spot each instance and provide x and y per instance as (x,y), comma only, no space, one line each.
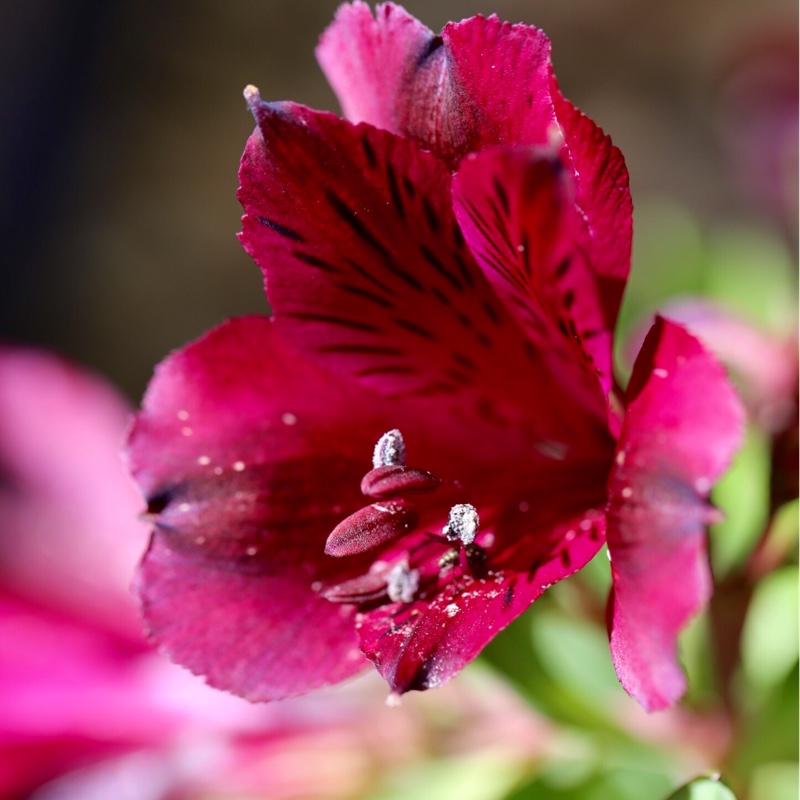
(445,278)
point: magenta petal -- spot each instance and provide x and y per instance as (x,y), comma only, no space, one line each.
(369,275)
(369,61)
(263,636)
(453,93)
(248,458)
(424,644)
(682,427)
(516,211)
(603,197)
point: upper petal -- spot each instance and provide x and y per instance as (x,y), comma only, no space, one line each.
(517,212)
(682,426)
(369,275)
(482,82)
(248,457)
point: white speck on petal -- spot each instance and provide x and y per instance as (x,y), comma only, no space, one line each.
(627,492)
(451,610)
(621,456)
(186,430)
(462,524)
(203,461)
(183,415)
(218,470)
(393,700)
(251,551)
(660,373)
(702,485)
(289,419)
(184,507)
(524,506)
(238,466)
(521,248)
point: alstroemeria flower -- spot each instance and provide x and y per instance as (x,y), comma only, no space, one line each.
(445,272)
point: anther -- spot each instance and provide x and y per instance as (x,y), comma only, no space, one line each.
(402,583)
(390,451)
(371,527)
(462,525)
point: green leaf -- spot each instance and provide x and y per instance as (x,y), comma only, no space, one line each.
(708,788)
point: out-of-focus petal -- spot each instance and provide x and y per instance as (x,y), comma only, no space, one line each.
(682,426)
(248,458)
(69,534)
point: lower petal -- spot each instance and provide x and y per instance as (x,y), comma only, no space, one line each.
(682,427)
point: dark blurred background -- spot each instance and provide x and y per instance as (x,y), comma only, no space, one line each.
(121,127)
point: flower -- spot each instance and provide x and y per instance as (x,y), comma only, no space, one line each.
(445,270)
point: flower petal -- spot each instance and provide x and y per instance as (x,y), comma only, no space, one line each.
(682,427)
(262,635)
(515,209)
(369,275)
(603,198)
(461,93)
(421,645)
(454,93)
(69,537)
(248,458)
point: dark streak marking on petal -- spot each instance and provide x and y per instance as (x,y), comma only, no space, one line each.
(441,296)
(388,369)
(329,319)
(565,559)
(313,261)
(465,272)
(369,152)
(431,217)
(361,349)
(491,312)
(369,276)
(414,328)
(366,294)
(465,361)
(281,229)
(458,236)
(568,299)
(502,195)
(440,268)
(459,377)
(561,269)
(484,340)
(357,226)
(409,186)
(464,320)
(394,191)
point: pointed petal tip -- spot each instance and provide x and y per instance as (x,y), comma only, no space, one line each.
(251,95)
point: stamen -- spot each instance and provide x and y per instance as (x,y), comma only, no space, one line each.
(462,524)
(402,583)
(390,451)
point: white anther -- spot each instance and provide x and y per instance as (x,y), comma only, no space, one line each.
(402,583)
(463,524)
(390,451)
